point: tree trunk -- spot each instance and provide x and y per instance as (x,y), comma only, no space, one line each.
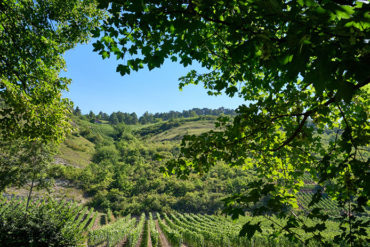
(29,194)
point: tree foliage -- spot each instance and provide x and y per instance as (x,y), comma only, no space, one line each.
(24,162)
(34,36)
(300,65)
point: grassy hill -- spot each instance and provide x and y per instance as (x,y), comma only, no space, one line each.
(188,128)
(117,167)
(76,151)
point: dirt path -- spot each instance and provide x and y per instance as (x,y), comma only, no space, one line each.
(96,224)
(149,238)
(162,238)
(122,243)
(138,244)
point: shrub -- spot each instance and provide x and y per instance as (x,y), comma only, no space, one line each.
(106,153)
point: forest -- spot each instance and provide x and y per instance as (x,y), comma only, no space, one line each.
(288,167)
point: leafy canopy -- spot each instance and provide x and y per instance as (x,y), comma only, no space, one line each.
(33,115)
(300,65)
(34,36)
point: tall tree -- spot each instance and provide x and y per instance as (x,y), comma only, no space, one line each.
(133,118)
(113,119)
(77,111)
(34,34)
(25,162)
(292,61)
(91,115)
(146,118)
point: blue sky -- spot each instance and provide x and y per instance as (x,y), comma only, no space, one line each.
(98,87)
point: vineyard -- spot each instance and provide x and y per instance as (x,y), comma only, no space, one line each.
(162,229)
(44,222)
(304,198)
(77,217)
(191,230)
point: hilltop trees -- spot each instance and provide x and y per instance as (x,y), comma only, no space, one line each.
(132,119)
(146,118)
(77,111)
(293,62)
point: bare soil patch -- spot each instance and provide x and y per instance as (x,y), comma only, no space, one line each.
(162,238)
(149,238)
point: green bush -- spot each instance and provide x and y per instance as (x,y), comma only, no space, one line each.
(106,153)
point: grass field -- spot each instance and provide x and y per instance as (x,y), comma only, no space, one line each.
(187,128)
(76,151)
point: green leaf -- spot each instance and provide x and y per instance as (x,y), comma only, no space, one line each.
(105,54)
(286,59)
(344,12)
(316,197)
(250,229)
(95,33)
(172,28)
(123,69)
(103,4)
(345,91)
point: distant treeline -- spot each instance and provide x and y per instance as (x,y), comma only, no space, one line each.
(132,118)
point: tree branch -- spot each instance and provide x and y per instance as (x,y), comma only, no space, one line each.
(301,124)
(296,132)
